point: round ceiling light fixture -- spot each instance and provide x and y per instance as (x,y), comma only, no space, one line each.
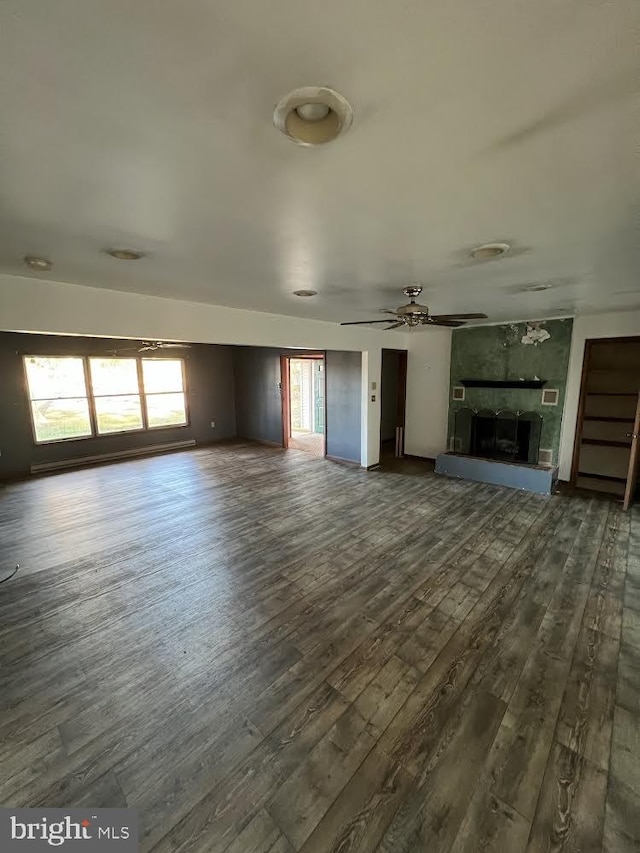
(313,115)
(490,250)
(305,292)
(39,264)
(125,254)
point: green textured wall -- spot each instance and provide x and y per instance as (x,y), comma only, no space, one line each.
(497,352)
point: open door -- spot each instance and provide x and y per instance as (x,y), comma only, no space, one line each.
(303,402)
(634,460)
(393,393)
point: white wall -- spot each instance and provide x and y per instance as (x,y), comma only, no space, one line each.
(37,305)
(427,391)
(612,325)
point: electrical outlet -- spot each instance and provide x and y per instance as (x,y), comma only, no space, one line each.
(213,424)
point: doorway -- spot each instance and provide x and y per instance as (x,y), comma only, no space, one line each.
(304,403)
(393,394)
(606,454)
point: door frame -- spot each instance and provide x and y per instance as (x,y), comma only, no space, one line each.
(586,361)
(634,461)
(401,399)
(285,393)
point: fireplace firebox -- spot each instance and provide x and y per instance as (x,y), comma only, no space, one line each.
(505,435)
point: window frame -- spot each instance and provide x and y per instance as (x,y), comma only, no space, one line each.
(91,397)
(31,400)
(144,395)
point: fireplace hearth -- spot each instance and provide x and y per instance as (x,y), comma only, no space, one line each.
(506,435)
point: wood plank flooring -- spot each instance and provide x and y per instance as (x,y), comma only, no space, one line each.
(263,651)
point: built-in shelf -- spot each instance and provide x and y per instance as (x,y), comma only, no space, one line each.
(608,419)
(633,394)
(503,383)
(601,442)
(602,477)
(633,370)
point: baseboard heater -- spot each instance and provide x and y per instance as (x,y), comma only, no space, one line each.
(41,467)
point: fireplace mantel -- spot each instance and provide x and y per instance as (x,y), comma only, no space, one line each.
(503,383)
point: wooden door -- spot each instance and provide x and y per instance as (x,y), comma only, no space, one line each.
(285,397)
(634,460)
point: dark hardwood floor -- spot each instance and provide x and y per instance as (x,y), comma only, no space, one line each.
(264,651)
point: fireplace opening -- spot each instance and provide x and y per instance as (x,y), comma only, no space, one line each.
(506,435)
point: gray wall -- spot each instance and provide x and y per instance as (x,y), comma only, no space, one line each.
(259,405)
(238,387)
(258,401)
(344,382)
(389,394)
(210,390)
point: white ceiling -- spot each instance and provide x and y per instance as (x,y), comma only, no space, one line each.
(148,124)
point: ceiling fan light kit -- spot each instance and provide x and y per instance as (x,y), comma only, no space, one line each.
(313,115)
(153,346)
(414,314)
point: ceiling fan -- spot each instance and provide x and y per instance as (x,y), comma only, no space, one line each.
(152,346)
(415,314)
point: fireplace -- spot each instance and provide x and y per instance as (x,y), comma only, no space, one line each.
(506,435)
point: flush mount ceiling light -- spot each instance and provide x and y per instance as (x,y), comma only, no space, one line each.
(490,250)
(313,115)
(40,264)
(305,292)
(125,254)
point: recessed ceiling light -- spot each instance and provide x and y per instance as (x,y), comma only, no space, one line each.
(313,115)
(490,250)
(537,288)
(41,264)
(126,254)
(305,292)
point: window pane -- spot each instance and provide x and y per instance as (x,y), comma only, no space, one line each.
(162,374)
(118,414)
(50,377)
(114,376)
(166,410)
(57,419)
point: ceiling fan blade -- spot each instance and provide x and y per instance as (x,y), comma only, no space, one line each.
(363,322)
(388,311)
(436,322)
(394,325)
(174,346)
(459,316)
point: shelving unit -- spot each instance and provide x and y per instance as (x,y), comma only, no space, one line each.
(609,397)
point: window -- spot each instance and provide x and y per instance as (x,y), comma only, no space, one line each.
(116,394)
(77,397)
(164,392)
(58,397)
